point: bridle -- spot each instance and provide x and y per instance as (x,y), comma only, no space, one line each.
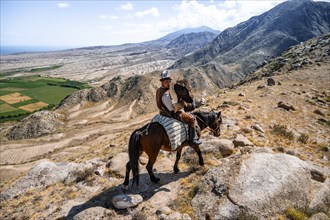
(208,126)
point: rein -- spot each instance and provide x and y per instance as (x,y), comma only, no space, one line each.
(207,126)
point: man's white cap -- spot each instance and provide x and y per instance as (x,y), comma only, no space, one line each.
(165,75)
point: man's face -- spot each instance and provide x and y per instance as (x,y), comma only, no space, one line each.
(166,83)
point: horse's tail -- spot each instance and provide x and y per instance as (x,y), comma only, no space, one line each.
(133,152)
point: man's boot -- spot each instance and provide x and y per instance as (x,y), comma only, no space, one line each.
(193,137)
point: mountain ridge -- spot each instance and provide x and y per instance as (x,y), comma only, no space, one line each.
(243,47)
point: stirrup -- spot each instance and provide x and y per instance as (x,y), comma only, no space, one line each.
(196,142)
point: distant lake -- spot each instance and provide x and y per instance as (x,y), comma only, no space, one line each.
(21,49)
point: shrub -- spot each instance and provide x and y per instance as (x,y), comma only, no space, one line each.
(282,130)
(303,138)
(294,214)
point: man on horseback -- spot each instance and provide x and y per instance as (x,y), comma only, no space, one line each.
(166,108)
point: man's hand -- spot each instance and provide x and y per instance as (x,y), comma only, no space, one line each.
(183,103)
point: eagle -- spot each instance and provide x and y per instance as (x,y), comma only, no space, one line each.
(184,93)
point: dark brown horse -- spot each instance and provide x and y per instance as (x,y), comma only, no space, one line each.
(152,138)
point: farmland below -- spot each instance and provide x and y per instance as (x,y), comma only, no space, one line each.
(20,96)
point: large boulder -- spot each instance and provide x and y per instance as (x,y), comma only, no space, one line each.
(47,173)
(214,145)
(36,125)
(95,213)
(255,186)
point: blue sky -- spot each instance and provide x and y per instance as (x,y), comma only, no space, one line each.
(92,23)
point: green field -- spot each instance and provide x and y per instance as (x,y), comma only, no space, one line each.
(39,89)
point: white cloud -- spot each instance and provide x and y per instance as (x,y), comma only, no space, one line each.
(103,16)
(106,27)
(106,17)
(114,17)
(63,5)
(218,16)
(152,11)
(128,6)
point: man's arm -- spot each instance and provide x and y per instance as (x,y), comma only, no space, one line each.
(167,100)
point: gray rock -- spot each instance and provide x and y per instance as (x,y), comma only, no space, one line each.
(258,128)
(321,199)
(47,173)
(225,146)
(247,130)
(95,213)
(74,99)
(36,125)
(118,164)
(285,106)
(261,185)
(96,95)
(240,140)
(261,86)
(163,210)
(319,216)
(319,112)
(124,201)
(177,216)
(270,82)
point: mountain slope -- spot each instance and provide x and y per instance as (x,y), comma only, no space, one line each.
(237,51)
(172,36)
(187,43)
(98,148)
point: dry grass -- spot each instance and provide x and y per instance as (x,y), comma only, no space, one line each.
(189,188)
(303,138)
(15,97)
(33,107)
(283,131)
(294,214)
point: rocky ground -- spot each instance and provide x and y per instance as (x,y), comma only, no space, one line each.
(270,162)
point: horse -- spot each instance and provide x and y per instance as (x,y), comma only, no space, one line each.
(152,138)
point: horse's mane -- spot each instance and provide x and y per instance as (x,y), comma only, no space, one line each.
(207,117)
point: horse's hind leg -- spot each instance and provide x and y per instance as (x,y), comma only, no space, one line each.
(178,156)
(149,166)
(199,153)
(128,170)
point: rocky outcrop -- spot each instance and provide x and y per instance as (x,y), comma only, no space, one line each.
(36,125)
(95,213)
(48,173)
(255,186)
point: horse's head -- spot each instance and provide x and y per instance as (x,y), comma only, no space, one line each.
(215,126)
(212,120)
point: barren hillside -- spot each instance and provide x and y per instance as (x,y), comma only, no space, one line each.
(285,121)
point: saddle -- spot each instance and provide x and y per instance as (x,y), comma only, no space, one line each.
(176,130)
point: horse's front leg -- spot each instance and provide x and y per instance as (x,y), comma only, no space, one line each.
(199,153)
(178,156)
(149,169)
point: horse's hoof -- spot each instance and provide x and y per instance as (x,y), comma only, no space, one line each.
(201,163)
(125,187)
(155,180)
(176,170)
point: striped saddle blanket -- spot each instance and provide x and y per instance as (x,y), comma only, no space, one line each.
(177,131)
